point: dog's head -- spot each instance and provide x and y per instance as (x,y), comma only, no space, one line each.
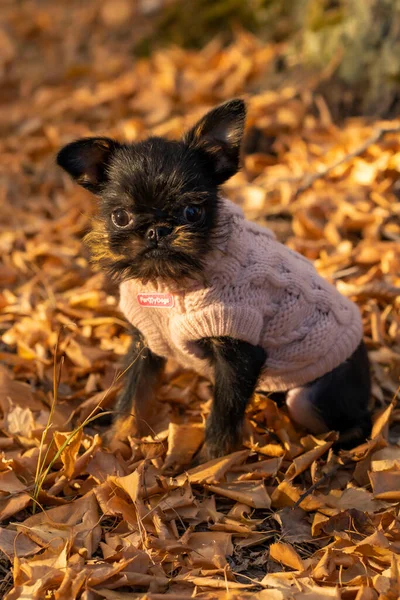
(158,198)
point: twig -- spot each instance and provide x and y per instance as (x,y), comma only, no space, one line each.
(345,462)
(310,179)
(315,485)
(380,290)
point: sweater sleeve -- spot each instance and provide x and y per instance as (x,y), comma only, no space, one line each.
(218,320)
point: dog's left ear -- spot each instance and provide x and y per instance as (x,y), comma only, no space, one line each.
(87,160)
(219,134)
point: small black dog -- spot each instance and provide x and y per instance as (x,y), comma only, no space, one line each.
(159,207)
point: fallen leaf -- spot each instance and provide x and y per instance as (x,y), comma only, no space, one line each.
(386,485)
(381,423)
(213,583)
(10,483)
(70,449)
(12,542)
(210,551)
(358,498)
(20,421)
(214,470)
(16,393)
(294,525)
(13,505)
(303,462)
(103,464)
(79,521)
(183,442)
(252,494)
(287,555)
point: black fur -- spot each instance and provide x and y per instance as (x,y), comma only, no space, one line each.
(86,161)
(341,398)
(237,367)
(142,370)
(218,135)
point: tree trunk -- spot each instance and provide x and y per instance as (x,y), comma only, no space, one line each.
(364,37)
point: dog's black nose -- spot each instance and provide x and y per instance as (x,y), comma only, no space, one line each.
(154,234)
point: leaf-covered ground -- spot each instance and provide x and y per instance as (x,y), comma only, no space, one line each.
(78,521)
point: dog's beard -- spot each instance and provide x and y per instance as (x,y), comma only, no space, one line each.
(180,258)
(174,266)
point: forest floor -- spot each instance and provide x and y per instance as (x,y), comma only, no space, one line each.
(78,521)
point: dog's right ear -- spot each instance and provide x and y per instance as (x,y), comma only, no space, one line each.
(219,135)
(86,160)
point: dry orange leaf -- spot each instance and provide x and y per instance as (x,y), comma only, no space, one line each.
(287,494)
(210,582)
(131,484)
(287,555)
(12,505)
(250,493)
(381,424)
(214,470)
(366,593)
(386,459)
(183,442)
(70,451)
(210,551)
(16,393)
(303,462)
(77,521)
(386,484)
(257,470)
(10,483)
(15,543)
(359,498)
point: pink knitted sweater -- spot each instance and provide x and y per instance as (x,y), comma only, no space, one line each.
(253,289)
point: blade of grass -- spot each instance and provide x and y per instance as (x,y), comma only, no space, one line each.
(39,484)
(40,464)
(42,474)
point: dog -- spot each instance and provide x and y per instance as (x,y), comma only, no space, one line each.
(218,293)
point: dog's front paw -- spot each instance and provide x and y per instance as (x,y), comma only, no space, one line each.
(217,448)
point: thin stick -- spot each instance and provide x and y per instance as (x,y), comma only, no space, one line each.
(345,462)
(315,485)
(309,180)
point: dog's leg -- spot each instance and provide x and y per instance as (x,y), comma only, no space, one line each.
(142,374)
(338,400)
(237,366)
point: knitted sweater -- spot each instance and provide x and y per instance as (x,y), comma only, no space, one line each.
(254,289)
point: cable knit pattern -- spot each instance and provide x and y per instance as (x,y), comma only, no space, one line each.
(256,290)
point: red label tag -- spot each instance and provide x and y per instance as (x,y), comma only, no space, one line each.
(155,300)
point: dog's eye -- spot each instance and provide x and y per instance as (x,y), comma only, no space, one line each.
(121,218)
(192,214)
